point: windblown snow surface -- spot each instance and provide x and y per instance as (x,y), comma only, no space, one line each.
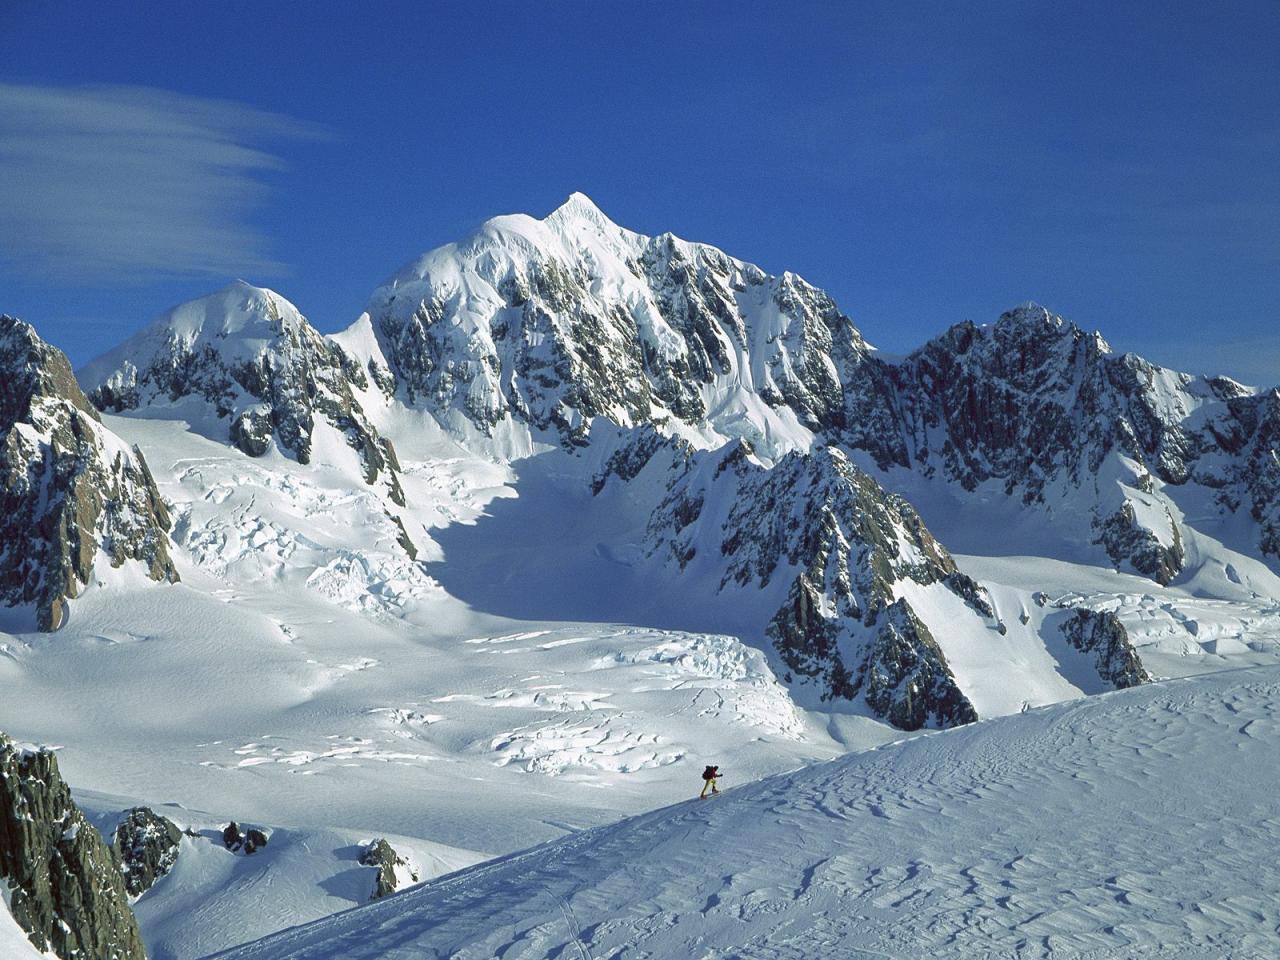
(1136,824)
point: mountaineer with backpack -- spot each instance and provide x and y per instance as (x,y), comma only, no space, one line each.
(709,777)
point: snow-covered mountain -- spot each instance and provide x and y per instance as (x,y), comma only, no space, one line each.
(541,325)
(72,493)
(529,329)
(259,365)
(523,336)
(1099,445)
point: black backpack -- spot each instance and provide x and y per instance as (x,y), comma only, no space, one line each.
(710,773)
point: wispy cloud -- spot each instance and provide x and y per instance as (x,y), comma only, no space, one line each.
(115,183)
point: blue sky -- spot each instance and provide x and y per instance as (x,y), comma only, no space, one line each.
(925,163)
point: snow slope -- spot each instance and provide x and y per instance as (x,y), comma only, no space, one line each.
(214,898)
(14,944)
(1135,824)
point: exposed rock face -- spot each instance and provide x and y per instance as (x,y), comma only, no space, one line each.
(1101,633)
(1034,403)
(1020,401)
(70,489)
(847,548)
(1125,537)
(906,676)
(146,845)
(392,868)
(259,364)
(1250,429)
(65,890)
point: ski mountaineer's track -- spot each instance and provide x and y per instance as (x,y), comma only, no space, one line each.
(1140,824)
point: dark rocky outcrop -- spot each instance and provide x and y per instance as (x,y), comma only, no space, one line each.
(1251,428)
(64,888)
(1101,633)
(847,547)
(906,677)
(146,845)
(1126,540)
(71,491)
(232,838)
(254,840)
(250,840)
(383,856)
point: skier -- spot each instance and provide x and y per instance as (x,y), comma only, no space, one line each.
(709,776)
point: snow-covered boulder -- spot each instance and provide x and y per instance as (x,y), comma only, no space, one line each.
(393,870)
(250,840)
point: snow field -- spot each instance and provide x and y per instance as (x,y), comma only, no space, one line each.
(1134,824)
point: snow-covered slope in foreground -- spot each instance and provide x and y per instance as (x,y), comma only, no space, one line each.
(1135,824)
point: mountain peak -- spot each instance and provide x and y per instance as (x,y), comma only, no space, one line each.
(239,309)
(13,331)
(581,211)
(577,206)
(1030,314)
(32,368)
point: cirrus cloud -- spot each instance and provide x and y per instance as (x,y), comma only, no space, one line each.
(120,183)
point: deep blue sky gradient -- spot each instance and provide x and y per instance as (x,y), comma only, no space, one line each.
(924,162)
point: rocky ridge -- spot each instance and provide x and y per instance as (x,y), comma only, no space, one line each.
(1043,409)
(843,547)
(64,888)
(70,490)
